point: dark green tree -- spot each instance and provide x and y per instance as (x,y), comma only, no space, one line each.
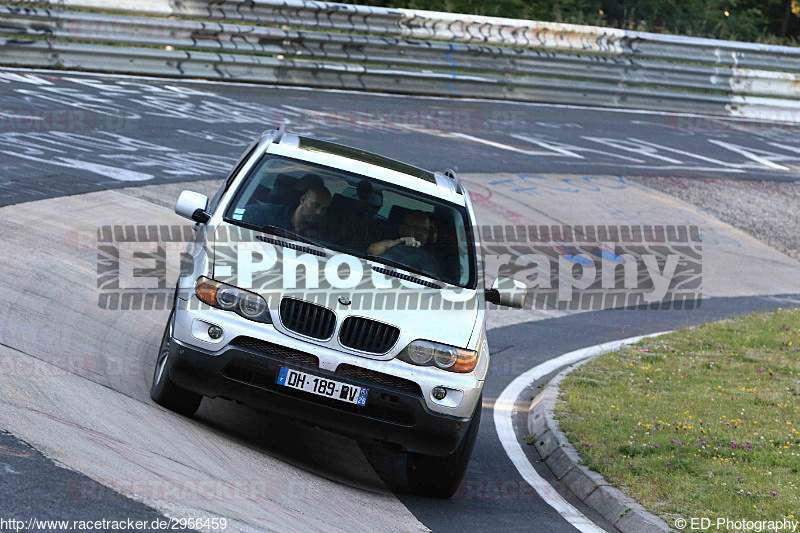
(744,20)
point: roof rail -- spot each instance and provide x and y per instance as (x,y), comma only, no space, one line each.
(450,173)
(281,129)
(275,134)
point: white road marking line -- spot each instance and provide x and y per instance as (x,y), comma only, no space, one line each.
(502,146)
(668,167)
(696,156)
(788,148)
(117,173)
(748,154)
(26,117)
(625,144)
(547,145)
(7,77)
(503,413)
(572,148)
(8,470)
(559,150)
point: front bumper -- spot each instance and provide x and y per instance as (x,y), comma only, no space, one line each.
(394,412)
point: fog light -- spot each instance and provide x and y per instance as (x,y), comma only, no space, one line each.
(439,393)
(215,332)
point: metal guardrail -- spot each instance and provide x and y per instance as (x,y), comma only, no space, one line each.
(321,44)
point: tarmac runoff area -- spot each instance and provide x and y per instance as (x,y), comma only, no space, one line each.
(75,378)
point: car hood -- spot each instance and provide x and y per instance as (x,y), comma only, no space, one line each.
(277,267)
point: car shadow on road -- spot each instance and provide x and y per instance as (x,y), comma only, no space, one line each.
(331,456)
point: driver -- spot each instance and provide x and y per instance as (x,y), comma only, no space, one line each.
(308,214)
(417,230)
(311,209)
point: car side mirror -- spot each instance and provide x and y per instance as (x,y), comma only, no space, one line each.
(192,205)
(507,292)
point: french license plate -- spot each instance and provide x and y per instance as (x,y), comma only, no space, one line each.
(329,388)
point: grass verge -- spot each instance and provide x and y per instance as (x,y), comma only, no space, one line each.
(700,422)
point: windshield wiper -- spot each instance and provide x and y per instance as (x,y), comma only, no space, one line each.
(400,264)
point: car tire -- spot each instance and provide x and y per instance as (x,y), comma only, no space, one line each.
(440,477)
(163,391)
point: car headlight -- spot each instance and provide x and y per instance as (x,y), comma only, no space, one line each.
(229,298)
(450,358)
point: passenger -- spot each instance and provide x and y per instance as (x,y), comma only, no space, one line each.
(367,194)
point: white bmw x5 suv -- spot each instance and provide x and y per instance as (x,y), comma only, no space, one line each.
(341,289)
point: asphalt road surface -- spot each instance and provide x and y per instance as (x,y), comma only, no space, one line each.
(29,481)
(64,134)
(104,132)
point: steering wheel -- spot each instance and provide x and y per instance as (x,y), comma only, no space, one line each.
(414,257)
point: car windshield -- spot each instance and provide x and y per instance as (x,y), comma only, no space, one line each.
(357,215)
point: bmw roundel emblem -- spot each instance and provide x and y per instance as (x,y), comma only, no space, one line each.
(344,301)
